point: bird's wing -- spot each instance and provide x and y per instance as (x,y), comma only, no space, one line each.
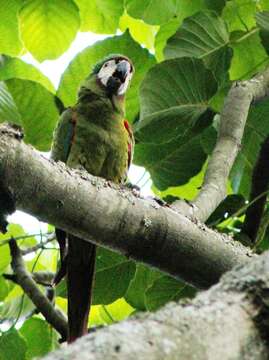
(63,135)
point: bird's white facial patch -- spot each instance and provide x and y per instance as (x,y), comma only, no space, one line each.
(111,69)
(106,71)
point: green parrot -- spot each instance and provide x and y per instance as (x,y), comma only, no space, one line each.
(95,136)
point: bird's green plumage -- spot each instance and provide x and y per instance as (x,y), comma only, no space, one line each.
(91,135)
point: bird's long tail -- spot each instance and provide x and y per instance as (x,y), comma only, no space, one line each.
(80,275)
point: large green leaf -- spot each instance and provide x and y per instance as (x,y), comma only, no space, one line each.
(112,283)
(12,346)
(153,12)
(141,32)
(39,337)
(200,35)
(166,289)
(174,112)
(249,57)
(186,8)
(257,129)
(173,96)
(10,43)
(144,277)
(216,5)
(16,68)
(171,164)
(263,23)
(100,16)
(113,275)
(37,110)
(239,14)
(48,27)
(8,109)
(83,63)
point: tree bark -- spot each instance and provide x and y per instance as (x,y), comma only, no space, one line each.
(229,321)
(114,217)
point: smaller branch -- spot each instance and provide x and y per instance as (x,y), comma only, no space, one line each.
(44,278)
(232,123)
(41,245)
(6,241)
(25,280)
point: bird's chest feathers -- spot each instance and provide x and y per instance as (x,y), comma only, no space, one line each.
(100,143)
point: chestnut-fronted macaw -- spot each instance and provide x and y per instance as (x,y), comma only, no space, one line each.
(95,136)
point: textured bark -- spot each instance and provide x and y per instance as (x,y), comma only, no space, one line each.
(114,217)
(232,123)
(229,321)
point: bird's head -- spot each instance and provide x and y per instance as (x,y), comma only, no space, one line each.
(114,73)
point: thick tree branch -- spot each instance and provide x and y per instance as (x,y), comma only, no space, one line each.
(232,124)
(25,280)
(229,321)
(114,217)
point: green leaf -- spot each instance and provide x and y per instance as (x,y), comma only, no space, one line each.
(228,207)
(171,164)
(106,259)
(37,109)
(187,191)
(100,16)
(165,32)
(39,337)
(143,33)
(112,282)
(12,346)
(200,35)
(216,5)
(173,96)
(8,109)
(263,23)
(249,57)
(144,277)
(4,287)
(15,305)
(10,43)
(239,15)
(83,63)
(153,12)
(186,8)
(48,27)
(16,68)
(257,129)
(166,289)
(168,140)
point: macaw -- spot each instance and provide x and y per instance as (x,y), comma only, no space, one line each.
(95,136)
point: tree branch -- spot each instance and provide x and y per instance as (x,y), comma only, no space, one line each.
(232,124)
(229,321)
(113,217)
(25,280)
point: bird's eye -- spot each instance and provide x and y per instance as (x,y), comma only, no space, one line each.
(106,65)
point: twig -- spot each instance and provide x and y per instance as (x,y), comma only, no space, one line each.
(41,245)
(25,280)
(6,241)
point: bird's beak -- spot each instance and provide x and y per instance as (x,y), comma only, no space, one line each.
(123,69)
